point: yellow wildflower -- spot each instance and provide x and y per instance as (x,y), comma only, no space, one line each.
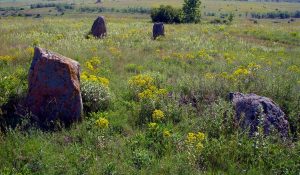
(6,58)
(294,68)
(253,66)
(95,61)
(241,72)
(84,76)
(103,81)
(102,122)
(166,133)
(177,55)
(146,94)
(158,114)
(224,75)
(152,88)
(202,53)
(191,138)
(189,56)
(209,75)
(89,66)
(200,136)
(162,92)
(199,146)
(141,81)
(93,78)
(152,125)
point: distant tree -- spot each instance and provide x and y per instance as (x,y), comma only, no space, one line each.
(191,11)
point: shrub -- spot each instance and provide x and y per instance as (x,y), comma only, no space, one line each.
(95,96)
(166,14)
(191,11)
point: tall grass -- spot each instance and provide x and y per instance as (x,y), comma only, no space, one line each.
(198,65)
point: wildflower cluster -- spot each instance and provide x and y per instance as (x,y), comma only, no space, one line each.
(203,54)
(102,122)
(144,87)
(141,81)
(94,89)
(294,69)
(195,140)
(158,138)
(241,72)
(152,125)
(6,59)
(87,77)
(93,63)
(238,74)
(167,133)
(158,115)
(92,67)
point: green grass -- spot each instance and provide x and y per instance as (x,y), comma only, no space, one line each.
(217,6)
(193,60)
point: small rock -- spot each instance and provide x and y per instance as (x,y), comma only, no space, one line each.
(158,30)
(54,88)
(99,27)
(253,110)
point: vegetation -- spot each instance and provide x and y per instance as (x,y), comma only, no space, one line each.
(191,10)
(190,13)
(152,106)
(166,14)
(277,14)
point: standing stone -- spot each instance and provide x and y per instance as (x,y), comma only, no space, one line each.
(99,27)
(158,30)
(54,88)
(253,110)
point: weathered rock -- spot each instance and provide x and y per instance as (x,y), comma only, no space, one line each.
(253,110)
(54,88)
(158,30)
(99,27)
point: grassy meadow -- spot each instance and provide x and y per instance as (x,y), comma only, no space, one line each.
(166,109)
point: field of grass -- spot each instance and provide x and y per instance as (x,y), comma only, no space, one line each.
(190,71)
(208,6)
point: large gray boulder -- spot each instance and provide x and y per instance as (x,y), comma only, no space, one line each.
(253,110)
(54,88)
(99,27)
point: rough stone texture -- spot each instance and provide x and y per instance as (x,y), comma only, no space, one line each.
(158,30)
(251,110)
(99,27)
(54,88)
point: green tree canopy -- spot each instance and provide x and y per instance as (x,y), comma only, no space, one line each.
(191,10)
